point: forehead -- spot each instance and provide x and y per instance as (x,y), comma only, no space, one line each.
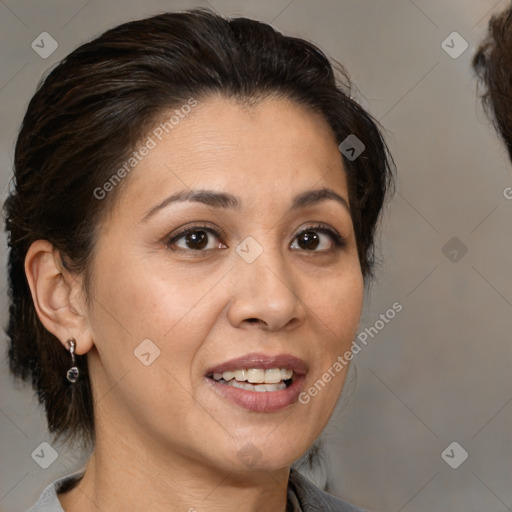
(269,150)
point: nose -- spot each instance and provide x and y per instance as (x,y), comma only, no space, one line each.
(266,294)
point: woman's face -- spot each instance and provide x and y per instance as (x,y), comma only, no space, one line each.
(208,282)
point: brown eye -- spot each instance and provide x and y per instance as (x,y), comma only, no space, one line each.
(314,237)
(196,239)
(308,240)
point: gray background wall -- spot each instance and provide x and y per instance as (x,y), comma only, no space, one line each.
(439,372)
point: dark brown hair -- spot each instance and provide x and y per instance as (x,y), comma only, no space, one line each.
(492,63)
(89,114)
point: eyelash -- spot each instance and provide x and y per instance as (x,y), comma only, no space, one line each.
(339,241)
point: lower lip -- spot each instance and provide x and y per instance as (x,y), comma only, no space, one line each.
(267,401)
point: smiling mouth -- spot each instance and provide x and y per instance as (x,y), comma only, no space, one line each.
(256,379)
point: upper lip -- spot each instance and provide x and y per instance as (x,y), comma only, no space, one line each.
(257,360)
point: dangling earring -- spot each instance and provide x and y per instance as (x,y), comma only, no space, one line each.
(73,373)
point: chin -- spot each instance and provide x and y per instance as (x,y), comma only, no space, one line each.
(267,454)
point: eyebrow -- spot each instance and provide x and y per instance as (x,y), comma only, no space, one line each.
(216,199)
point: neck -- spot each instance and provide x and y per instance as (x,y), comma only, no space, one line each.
(129,472)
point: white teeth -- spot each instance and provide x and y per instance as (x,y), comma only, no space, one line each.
(273,376)
(286,374)
(240,375)
(237,384)
(227,376)
(257,387)
(255,375)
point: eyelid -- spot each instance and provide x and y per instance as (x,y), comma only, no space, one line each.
(205,226)
(339,240)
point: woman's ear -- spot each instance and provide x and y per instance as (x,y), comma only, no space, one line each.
(57,296)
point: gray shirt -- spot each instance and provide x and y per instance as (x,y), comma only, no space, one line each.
(303,496)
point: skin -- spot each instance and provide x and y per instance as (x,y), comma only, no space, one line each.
(164,439)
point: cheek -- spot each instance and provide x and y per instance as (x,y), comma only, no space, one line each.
(335,313)
(337,306)
(139,300)
(149,298)
(335,310)
(135,302)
